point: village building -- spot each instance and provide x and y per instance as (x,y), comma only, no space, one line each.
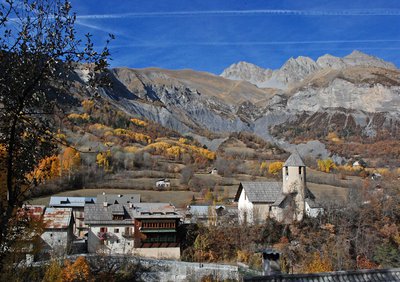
(210,215)
(163,183)
(286,201)
(145,229)
(30,242)
(214,171)
(58,231)
(77,204)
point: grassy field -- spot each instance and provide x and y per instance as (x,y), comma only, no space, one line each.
(182,198)
(178,198)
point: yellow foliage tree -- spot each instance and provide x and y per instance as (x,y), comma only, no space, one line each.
(318,263)
(88,105)
(326,165)
(103,160)
(54,272)
(78,271)
(263,168)
(275,167)
(79,117)
(139,122)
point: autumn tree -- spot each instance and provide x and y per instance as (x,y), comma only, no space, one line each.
(318,263)
(275,168)
(78,271)
(39,50)
(326,165)
(70,160)
(53,272)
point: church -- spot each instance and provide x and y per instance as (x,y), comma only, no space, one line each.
(285,201)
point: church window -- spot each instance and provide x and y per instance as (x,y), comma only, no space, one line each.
(299,169)
(286,171)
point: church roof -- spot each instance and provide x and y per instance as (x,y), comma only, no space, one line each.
(260,192)
(294,160)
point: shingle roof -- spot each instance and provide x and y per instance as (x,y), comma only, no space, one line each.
(260,192)
(32,211)
(57,218)
(118,198)
(378,275)
(66,202)
(294,160)
(99,214)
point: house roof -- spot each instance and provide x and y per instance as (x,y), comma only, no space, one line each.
(365,275)
(34,212)
(294,160)
(260,192)
(122,199)
(99,214)
(203,210)
(57,218)
(71,202)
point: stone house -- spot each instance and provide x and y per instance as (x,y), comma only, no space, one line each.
(77,204)
(163,183)
(146,229)
(287,201)
(58,232)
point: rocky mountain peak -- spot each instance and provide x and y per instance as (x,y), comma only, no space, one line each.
(297,69)
(248,72)
(357,58)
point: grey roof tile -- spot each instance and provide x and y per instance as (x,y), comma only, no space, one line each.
(294,160)
(261,192)
(100,214)
(122,199)
(70,202)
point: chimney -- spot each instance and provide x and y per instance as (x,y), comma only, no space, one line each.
(271,263)
(105,204)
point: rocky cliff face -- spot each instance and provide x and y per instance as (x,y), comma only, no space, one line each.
(297,69)
(358,93)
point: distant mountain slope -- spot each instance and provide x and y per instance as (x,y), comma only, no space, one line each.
(358,95)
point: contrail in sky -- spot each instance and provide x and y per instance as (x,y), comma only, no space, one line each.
(252,43)
(334,12)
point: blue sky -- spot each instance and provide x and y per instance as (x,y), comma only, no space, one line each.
(210,35)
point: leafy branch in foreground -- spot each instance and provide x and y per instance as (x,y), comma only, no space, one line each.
(39,52)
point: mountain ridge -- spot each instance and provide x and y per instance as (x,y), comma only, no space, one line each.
(295,70)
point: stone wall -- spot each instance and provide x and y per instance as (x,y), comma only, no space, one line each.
(173,270)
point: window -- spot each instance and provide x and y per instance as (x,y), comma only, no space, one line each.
(286,171)
(103,229)
(117,241)
(116,230)
(299,169)
(51,234)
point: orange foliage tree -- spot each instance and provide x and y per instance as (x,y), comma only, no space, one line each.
(70,160)
(318,263)
(48,168)
(78,271)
